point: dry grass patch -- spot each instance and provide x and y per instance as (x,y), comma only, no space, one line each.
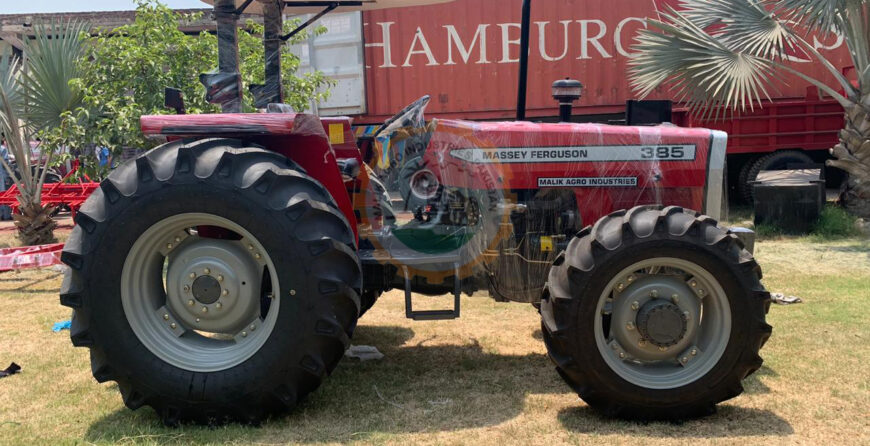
(482,379)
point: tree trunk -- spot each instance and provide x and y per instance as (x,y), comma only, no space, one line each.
(853,156)
(35,225)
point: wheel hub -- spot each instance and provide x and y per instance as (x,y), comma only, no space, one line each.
(206,290)
(662,323)
(655,316)
(214,286)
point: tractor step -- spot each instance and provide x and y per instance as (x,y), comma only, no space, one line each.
(406,258)
(432,315)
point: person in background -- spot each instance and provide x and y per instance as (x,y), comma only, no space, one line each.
(5,180)
(104,156)
(4,175)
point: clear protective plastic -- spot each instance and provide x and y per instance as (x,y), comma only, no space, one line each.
(493,203)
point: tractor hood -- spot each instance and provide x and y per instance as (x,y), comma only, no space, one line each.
(302,6)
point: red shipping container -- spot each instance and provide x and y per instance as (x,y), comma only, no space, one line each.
(465,55)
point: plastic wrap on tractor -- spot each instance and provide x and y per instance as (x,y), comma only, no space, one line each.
(498,201)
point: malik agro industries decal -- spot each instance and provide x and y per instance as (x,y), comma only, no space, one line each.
(579,154)
(588,182)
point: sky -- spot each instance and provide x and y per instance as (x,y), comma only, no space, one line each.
(34,6)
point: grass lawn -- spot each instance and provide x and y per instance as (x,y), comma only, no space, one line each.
(482,379)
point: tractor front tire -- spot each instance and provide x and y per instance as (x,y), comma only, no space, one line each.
(213,281)
(655,314)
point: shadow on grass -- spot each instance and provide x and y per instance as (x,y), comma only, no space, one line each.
(418,387)
(728,421)
(27,282)
(753,384)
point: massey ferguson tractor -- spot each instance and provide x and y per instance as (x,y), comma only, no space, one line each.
(220,276)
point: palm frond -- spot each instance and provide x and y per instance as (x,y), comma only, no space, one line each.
(819,15)
(703,70)
(749,25)
(53,57)
(11,102)
(11,105)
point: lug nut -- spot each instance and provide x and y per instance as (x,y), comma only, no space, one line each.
(694,352)
(620,286)
(701,292)
(220,278)
(192,275)
(250,247)
(684,360)
(635,305)
(253,327)
(165,316)
(197,320)
(675,299)
(218,305)
(622,355)
(207,271)
(693,284)
(190,302)
(630,325)
(177,239)
(257,255)
(630,279)
(173,326)
(225,292)
(169,246)
(654,294)
(641,343)
(244,334)
(292,292)
(205,309)
(663,349)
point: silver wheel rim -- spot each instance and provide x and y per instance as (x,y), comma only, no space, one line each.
(663,287)
(194,301)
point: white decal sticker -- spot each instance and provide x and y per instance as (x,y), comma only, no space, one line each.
(588,182)
(579,154)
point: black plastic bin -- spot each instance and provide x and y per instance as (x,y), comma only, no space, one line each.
(791,200)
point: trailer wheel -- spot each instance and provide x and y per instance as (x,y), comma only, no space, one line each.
(655,314)
(772,161)
(213,281)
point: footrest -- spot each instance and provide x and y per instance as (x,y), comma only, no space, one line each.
(432,315)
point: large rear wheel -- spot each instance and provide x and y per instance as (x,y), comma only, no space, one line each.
(213,281)
(655,314)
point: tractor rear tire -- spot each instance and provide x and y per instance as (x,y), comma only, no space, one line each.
(632,353)
(773,161)
(367,300)
(303,298)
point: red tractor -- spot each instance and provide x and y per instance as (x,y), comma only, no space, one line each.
(220,276)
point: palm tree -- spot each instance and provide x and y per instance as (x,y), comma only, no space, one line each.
(38,99)
(723,55)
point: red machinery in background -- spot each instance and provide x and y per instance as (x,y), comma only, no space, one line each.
(71,194)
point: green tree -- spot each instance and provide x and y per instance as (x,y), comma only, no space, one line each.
(127,68)
(720,55)
(38,98)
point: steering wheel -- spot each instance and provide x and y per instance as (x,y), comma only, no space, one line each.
(399,119)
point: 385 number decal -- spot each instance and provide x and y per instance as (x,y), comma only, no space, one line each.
(664,153)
